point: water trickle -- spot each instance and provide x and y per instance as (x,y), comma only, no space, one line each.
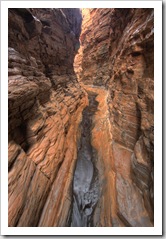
(85,183)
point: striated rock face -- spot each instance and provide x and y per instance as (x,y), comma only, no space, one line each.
(45,106)
(117,53)
(81,139)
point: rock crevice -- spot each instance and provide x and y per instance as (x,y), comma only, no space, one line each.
(56,136)
(117,55)
(85,181)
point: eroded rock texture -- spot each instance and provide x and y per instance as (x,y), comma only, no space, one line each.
(51,132)
(117,53)
(45,106)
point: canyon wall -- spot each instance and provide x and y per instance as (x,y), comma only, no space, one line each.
(45,106)
(46,102)
(115,61)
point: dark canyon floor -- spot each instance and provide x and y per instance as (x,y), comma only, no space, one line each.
(81,117)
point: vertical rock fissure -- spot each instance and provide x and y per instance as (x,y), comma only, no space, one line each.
(85,183)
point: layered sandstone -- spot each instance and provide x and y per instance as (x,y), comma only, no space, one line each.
(45,106)
(117,53)
(51,130)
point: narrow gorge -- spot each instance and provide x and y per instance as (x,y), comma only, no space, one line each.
(80,117)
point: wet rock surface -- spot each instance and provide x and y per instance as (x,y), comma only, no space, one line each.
(86,184)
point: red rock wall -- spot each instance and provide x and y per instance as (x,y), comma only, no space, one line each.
(117,53)
(46,101)
(45,105)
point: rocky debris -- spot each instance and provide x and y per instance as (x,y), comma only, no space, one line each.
(117,53)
